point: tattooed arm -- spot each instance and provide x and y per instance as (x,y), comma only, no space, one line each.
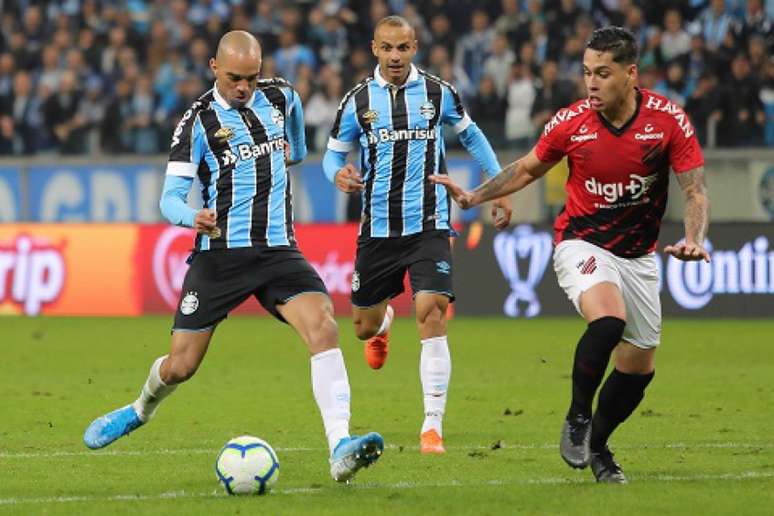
(511,179)
(697,208)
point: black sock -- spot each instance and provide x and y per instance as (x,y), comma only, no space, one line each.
(591,357)
(617,400)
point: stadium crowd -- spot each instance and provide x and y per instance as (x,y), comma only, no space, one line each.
(94,76)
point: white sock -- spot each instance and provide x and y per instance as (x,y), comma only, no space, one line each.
(152,392)
(330,385)
(387,321)
(434,371)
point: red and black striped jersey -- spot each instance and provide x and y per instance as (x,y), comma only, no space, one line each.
(619,177)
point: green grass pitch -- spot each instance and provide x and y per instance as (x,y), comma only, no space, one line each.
(701,442)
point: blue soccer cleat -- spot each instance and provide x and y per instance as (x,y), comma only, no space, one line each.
(354,453)
(106,429)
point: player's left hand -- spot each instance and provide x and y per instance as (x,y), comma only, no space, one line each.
(501,212)
(462,197)
(688,252)
(287,151)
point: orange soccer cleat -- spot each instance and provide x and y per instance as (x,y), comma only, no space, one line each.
(376,349)
(431,443)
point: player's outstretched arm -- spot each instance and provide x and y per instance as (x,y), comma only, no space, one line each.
(697,209)
(512,178)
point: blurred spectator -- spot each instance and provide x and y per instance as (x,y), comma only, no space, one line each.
(675,41)
(551,94)
(673,86)
(115,135)
(321,110)
(91,111)
(50,72)
(512,22)
(540,41)
(329,39)
(756,51)
(755,22)
(743,115)
(521,95)
(564,19)
(266,25)
(703,105)
(473,47)
(488,109)
(571,58)
(715,23)
(23,57)
(498,65)
(291,55)
(21,109)
(697,61)
(440,30)
(60,113)
(199,62)
(635,22)
(87,44)
(144,137)
(7,70)
(357,68)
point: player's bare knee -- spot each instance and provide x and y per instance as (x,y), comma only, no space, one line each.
(631,359)
(431,320)
(179,369)
(364,330)
(325,334)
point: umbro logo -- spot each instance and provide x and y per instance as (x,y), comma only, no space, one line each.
(443,267)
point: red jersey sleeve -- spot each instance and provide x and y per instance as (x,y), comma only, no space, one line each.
(551,146)
(684,149)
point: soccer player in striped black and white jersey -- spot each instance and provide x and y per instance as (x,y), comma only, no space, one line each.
(236,139)
(396,116)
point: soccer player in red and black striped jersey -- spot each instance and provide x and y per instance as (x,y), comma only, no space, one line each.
(620,143)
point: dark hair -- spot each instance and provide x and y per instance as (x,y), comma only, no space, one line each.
(616,40)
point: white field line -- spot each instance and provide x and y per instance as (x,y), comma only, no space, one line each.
(176,495)
(503,446)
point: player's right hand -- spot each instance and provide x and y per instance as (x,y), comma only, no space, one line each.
(204,223)
(462,197)
(348,179)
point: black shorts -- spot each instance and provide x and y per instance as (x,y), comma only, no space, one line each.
(220,280)
(381,264)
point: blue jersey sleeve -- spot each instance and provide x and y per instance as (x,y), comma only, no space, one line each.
(188,142)
(332,163)
(470,135)
(346,129)
(294,127)
(173,201)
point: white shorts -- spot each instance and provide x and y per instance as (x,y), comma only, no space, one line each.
(580,265)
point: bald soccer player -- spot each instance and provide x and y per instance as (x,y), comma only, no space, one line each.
(234,138)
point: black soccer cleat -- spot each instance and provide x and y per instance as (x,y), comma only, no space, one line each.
(574,444)
(605,469)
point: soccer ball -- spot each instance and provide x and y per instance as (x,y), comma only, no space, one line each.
(247,465)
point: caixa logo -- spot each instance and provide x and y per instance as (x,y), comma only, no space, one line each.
(750,270)
(32,273)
